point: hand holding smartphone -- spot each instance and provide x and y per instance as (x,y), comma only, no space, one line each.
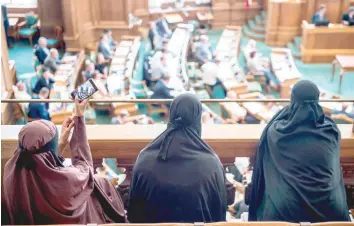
(84,91)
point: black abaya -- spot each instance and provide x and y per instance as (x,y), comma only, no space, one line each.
(178,177)
(297,175)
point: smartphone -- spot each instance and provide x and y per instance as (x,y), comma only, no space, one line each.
(85,90)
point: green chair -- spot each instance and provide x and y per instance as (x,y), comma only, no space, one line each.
(28,28)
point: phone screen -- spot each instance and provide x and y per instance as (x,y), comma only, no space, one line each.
(85,90)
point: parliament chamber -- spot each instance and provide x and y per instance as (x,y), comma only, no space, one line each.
(242,60)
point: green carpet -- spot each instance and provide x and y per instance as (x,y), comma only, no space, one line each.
(22,53)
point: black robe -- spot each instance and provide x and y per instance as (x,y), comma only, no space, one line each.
(297,175)
(178,177)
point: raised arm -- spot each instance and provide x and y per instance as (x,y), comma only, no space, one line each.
(80,149)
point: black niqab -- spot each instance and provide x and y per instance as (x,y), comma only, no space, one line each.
(297,175)
(178,177)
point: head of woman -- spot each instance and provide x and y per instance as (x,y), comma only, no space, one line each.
(186,110)
(37,138)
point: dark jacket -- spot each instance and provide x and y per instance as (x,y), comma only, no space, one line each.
(161,91)
(104,50)
(43,83)
(38,111)
(41,54)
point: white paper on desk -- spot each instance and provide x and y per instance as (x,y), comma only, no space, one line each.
(65,67)
(70,58)
(114,83)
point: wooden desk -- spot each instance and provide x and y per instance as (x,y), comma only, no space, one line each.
(284,69)
(346,63)
(13,21)
(174,18)
(322,44)
(205,18)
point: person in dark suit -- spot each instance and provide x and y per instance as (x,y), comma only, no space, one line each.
(39,110)
(162,27)
(108,33)
(46,80)
(161,90)
(348,18)
(320,15)
(52,61)
(41,51)
(104,48)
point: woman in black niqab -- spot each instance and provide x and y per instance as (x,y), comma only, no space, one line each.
(297,175)
(178,177)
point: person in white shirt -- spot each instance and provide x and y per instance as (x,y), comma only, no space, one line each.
(211,71)
(250,47)
(20,92)
(255,65)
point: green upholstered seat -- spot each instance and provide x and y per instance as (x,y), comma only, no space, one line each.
(27,31)
(30,21)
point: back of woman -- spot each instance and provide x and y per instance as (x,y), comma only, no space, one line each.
(297,175)
(178,177)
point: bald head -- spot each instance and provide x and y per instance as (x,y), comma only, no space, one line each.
(54,53)
(42,42)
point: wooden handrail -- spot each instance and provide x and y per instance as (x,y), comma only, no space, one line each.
(156,101)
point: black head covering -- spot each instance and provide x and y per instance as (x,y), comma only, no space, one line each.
(297,174)
(178,177)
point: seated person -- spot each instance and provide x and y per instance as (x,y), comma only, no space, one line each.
(170,182)
(102,91)
(89,70)
(239,114)
(110,40)
(162,27)
(104,47)
(41,50)
(39,188)
(320,15)
(161,90)
(204,52)
(158,64)
(52,61)
(250,47)
(125,118)
(154,36)
(210,74)
(101,65)
(20,92)
(348,18)
(46,80)
(297,174)
(347,111)
(39,110)
(255,66)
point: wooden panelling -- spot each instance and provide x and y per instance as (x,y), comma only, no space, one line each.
(284,21)
(50,14)
(321,44)
(126,141)
(239,15)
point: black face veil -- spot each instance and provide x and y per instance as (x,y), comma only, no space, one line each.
(297,174)
(178,177)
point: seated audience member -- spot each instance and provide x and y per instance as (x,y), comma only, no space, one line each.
(112,44)
(125,118)
(89,70)
(102,91)
(161,90)
(348,18)
(162,27)
(158,65)
(40,190)
(297,175)
(20,92)
(250,47)
(46,80)
(42,51)
(347,111)
(168,183)
(239,114)
(104,48)
(101,65)
(320,15)
(39,110)
(155,38)
(204,52)
(255,66)
(52,61)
